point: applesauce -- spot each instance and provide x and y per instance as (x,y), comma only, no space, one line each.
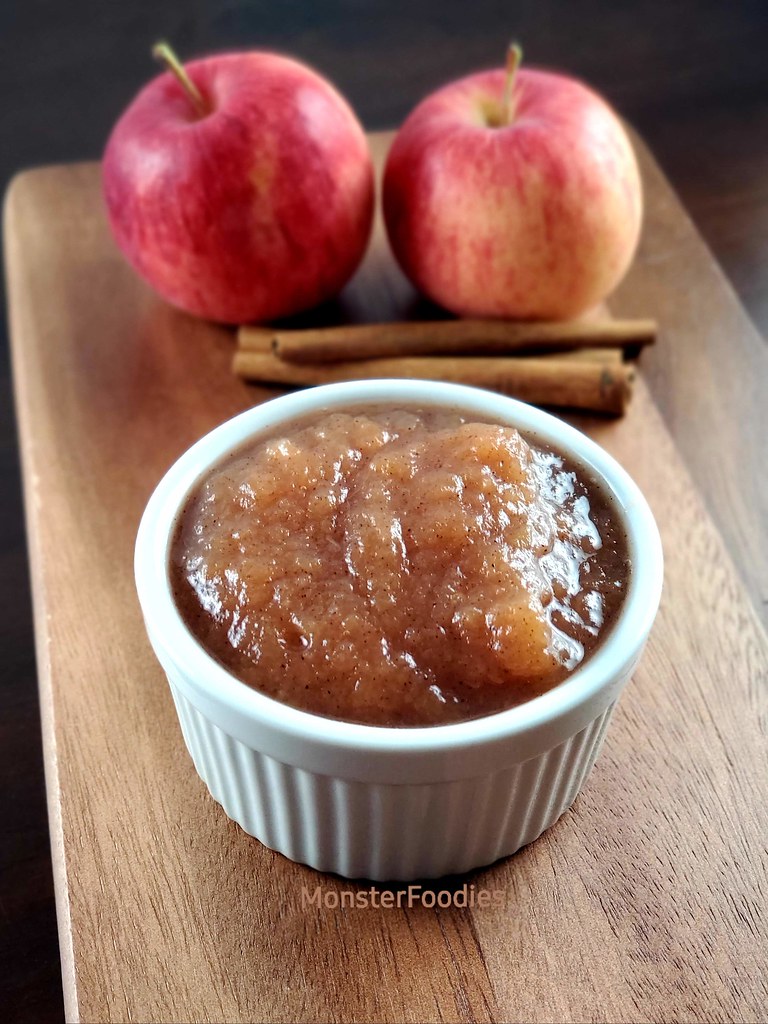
(398,566)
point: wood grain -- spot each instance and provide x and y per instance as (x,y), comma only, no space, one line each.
(708,374)
(646,902)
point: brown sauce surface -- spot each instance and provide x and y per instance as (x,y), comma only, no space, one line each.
(398,566)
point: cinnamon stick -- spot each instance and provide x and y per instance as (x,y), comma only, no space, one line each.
(256,339)
(442,337)
(606,356)
(568,382)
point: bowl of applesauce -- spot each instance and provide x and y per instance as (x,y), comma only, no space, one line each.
(395,617)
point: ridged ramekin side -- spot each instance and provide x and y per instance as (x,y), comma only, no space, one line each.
(381,831)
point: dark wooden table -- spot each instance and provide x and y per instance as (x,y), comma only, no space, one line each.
(692,78)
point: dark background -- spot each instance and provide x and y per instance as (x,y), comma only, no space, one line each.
(691,76)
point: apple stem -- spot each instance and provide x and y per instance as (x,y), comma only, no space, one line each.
(163,52)
(514,57)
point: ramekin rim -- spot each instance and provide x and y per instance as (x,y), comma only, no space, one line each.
(204,674)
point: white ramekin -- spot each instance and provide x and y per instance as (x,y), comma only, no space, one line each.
(386,803)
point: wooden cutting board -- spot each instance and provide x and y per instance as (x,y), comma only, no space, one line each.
(646,902)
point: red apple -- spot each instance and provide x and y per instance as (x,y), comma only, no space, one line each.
(521,205)
(242,193)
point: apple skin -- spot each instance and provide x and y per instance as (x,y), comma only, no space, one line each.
(536,219)
(259,210)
